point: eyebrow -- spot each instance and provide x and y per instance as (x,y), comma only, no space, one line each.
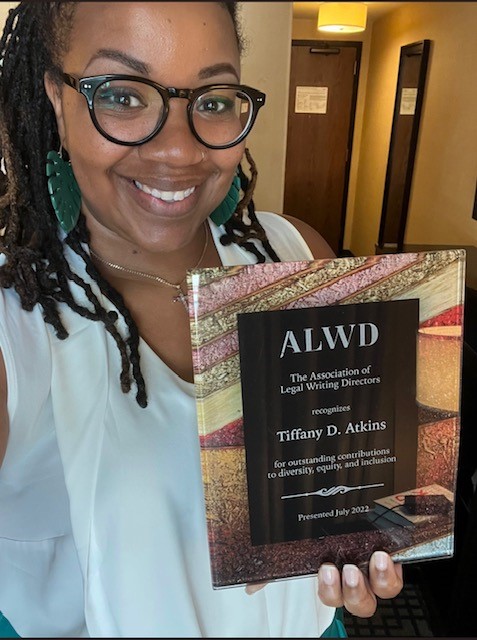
(123,58)
(217,69)
(143,68)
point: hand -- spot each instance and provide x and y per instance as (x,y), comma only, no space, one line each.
(356,592)
(353,590)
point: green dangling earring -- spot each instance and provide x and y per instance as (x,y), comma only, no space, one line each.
(226,208)
(64,191)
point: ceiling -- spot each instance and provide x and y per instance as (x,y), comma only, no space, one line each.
(375,9)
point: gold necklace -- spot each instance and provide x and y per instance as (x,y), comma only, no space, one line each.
(180,297)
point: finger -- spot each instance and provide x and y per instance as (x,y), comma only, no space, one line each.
(329,585)
(358,597)
(253,588)
(385,576)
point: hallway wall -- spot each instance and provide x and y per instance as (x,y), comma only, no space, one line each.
(444,182)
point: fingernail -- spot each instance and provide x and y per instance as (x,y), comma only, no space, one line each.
(351,575)
(327,574)
(250,589)
(381,561)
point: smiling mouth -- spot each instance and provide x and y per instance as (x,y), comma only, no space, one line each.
(166,196)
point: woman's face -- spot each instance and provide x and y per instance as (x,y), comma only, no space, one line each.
(177,44)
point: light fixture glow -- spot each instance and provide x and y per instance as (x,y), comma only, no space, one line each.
(342,17)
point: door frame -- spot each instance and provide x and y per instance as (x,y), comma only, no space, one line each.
(332,44)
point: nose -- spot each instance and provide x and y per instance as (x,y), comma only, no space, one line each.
(175,144)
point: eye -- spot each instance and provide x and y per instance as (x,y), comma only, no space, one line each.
(215,105)
(119,98)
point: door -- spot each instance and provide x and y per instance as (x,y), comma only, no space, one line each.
(413,62)
(321,109)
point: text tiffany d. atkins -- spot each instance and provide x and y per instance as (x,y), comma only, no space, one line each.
(291,435)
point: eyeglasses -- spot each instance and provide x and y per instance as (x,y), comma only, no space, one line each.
(130,110)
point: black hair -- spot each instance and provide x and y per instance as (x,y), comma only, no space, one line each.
(34,40)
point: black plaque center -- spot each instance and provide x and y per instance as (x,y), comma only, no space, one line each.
(330,416)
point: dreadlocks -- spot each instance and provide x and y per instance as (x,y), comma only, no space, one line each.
(34,41)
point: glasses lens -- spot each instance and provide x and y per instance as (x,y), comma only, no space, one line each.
(221,116)
(128,110)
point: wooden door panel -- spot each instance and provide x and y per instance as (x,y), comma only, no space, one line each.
(317,158)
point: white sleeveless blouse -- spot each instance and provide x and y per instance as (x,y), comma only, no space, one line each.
(102,525)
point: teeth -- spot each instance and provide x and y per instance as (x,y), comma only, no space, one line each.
(167,196)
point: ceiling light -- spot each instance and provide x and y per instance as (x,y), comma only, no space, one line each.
(342,17)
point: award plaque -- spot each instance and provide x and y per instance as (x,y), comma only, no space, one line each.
(328,396)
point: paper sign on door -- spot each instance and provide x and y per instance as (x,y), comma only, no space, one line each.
(408,102)
(311,99)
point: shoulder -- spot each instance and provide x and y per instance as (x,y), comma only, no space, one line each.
(20,329)
(25,346)
(318,245)
(290,234)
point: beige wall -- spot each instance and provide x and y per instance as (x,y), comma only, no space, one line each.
(445,168)
(266,66)
(4,9)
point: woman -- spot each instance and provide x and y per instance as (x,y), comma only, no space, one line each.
(103,532)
